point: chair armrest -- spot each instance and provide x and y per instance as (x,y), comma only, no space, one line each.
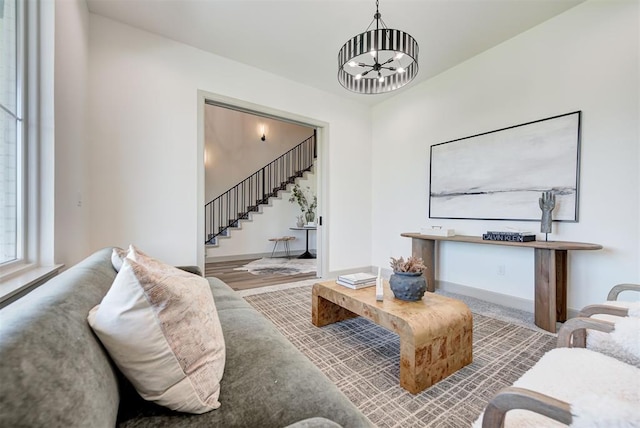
(191,269)
(575,326)
(512,398)
(617,289)
(587,311)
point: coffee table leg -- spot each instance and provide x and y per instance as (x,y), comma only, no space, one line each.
(421,366)
(413,376)
(324,312)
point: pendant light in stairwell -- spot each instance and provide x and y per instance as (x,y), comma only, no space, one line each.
(379,60)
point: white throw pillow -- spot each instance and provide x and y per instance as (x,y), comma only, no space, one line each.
(117,256)
(161,327)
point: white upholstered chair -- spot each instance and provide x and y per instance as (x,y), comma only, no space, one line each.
(570,386)
(618,312)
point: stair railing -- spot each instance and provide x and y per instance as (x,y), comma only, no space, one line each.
(237,203)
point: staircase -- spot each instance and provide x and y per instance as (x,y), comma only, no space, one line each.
(236,204)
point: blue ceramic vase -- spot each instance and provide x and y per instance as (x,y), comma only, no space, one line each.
(408,286)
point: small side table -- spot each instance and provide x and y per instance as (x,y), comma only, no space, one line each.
(306,254)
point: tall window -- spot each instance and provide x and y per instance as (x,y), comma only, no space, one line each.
(10,132)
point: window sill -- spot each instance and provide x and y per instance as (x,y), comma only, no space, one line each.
(20,284)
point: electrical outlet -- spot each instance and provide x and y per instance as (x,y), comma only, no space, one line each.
(501,270)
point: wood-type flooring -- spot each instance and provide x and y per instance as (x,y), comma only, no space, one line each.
(243,280)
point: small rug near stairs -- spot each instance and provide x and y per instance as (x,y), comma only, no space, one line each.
(280,266)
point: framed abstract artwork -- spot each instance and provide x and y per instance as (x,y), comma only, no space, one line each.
(500,175)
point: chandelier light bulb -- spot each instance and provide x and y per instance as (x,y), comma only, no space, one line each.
(373,53)
(352,63)
(358,76)
(400,70)
(380,78)
(398,55)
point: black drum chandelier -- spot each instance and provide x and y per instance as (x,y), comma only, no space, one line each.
(379,60)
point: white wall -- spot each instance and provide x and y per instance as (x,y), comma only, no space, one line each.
(143,131)
(584,59)
(234,149)
(71,223)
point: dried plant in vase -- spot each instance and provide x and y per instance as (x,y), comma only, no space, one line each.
(407,281)
(412,264)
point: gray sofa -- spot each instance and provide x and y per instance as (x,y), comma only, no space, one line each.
(55,373)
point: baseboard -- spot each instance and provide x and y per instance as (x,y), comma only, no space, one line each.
(486,295)
(497,298)
(336,273)
(250,256)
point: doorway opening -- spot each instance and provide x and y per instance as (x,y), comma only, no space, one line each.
(242,146)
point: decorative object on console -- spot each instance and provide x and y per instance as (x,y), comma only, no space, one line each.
(437,231)
(547,203)
(509,236)
(495,175)
(300,221)
(407,281)
(378,61)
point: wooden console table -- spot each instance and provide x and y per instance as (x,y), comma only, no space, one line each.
(550,270)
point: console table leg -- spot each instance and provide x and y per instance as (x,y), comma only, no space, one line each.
(561,285)
(550,288)
(425,249)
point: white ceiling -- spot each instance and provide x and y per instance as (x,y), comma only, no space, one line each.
(300,39)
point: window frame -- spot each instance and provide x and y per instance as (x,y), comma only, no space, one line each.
(36,155)
(21,260)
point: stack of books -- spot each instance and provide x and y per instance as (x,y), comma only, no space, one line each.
(357,280)
(509,236)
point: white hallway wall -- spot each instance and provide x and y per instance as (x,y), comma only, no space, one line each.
(233,148)
(143,143)
(585,59)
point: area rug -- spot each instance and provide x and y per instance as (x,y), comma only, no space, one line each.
(362,358)
(280,266)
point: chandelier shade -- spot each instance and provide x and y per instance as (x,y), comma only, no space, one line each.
(378,61)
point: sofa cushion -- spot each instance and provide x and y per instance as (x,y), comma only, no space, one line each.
(161,327)
(53,370)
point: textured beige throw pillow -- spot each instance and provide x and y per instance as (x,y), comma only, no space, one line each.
(161,327)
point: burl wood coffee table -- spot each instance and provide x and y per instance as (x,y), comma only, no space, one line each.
(435,332)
